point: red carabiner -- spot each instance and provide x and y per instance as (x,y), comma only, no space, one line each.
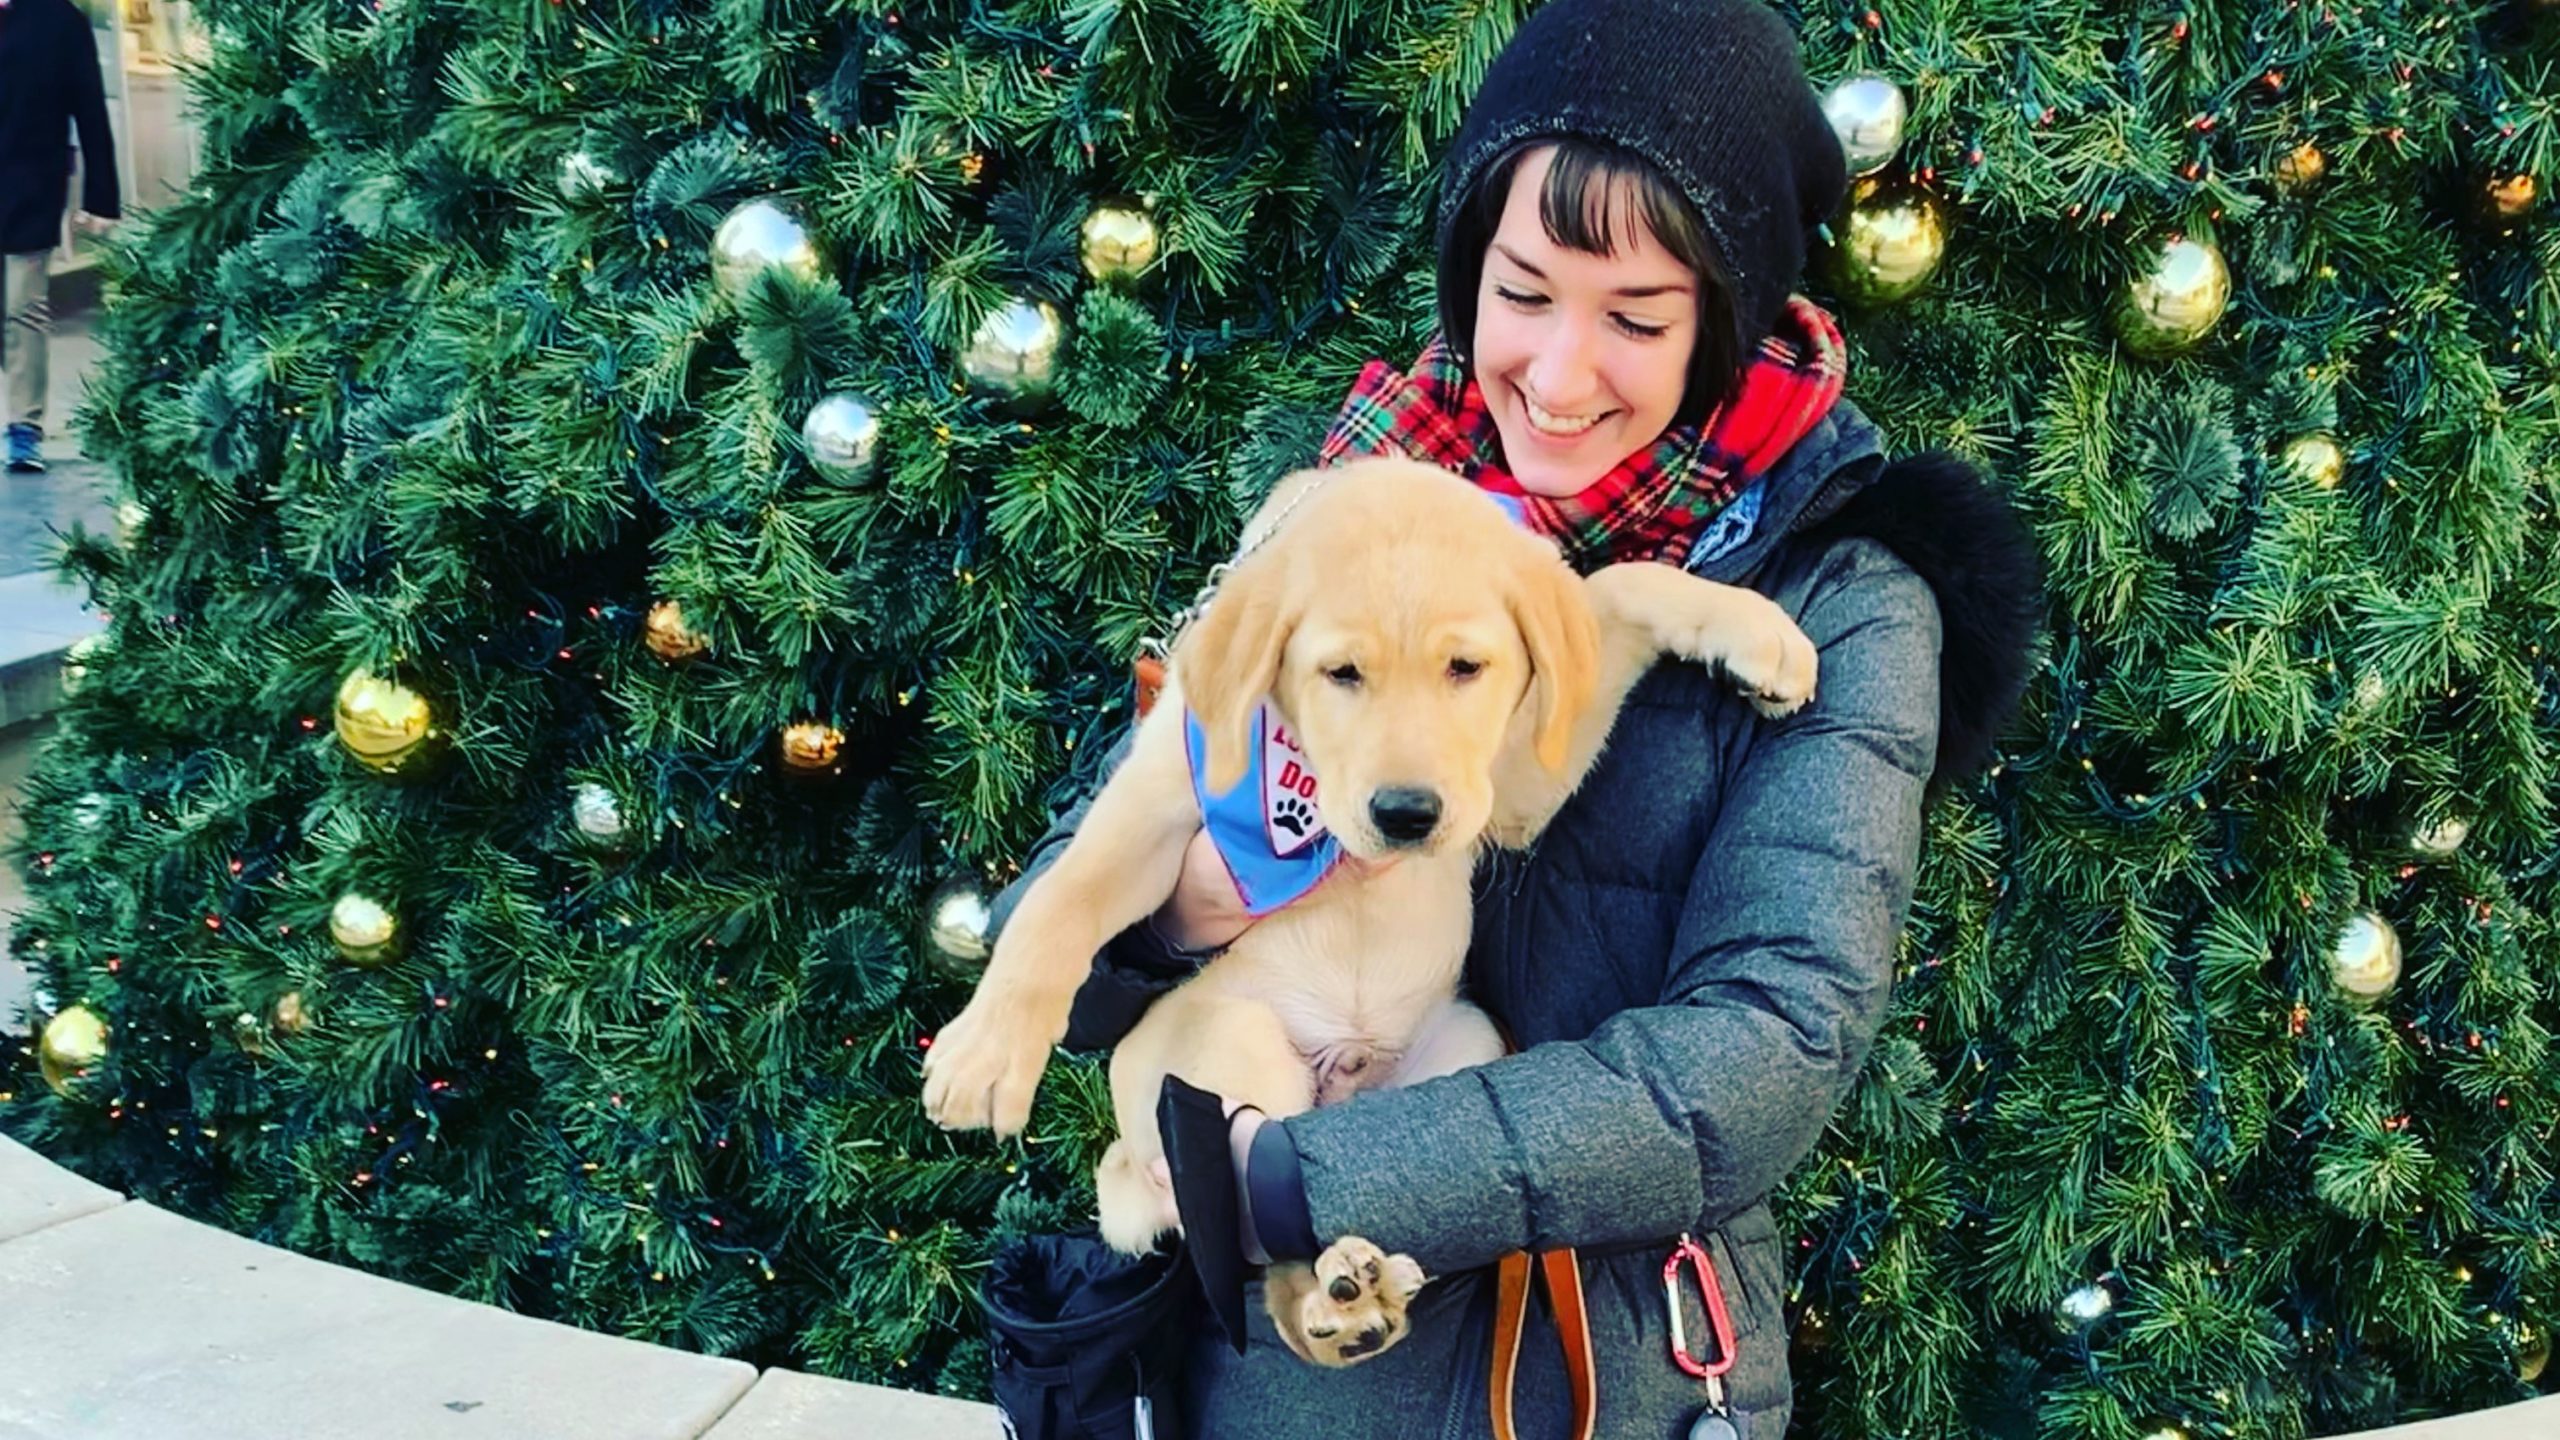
(1717,1317)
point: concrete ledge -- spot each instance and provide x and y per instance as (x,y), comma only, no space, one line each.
(787,1405)
(155,1326)
(145,1326)
(2528,1420)
(36,1193)
(40,619)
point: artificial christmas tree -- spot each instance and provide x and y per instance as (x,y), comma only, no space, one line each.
(641,505)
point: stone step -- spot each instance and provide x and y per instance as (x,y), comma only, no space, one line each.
(137,1324)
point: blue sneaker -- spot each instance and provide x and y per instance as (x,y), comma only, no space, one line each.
(26,450)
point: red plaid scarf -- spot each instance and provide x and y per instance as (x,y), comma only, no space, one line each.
(1657,500)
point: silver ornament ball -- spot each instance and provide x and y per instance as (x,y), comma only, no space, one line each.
(86,651)
(958,920)
(2440,840)
(2084,1307)
(841,436)
(761,236)
(597,812)
(582,176)
(1014,354)
(1868,113)
(2364,961)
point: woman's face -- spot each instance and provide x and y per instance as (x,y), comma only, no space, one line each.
(1583,358)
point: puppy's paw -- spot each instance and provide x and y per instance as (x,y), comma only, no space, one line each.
(982,1069)
(1773,664)
(1348,1306)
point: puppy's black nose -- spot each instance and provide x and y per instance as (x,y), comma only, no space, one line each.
(1404,816)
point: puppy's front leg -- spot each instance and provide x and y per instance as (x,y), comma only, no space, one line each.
(1648,608)
(1121,864)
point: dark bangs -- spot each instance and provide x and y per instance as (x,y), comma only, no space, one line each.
(1587,184)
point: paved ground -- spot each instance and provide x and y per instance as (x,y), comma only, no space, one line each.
(33,507)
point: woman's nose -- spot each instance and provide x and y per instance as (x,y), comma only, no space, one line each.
(1562,375)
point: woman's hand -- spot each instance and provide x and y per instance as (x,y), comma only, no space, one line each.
(1206,912)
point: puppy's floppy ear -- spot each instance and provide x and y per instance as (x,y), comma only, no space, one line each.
(1563,641)
(1229,659)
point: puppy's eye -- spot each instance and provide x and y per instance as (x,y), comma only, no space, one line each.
(1346,676)
(1465,669)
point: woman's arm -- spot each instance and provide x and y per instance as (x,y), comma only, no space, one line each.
(1695,1107)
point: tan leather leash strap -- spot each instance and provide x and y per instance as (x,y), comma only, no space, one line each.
(1563,1276)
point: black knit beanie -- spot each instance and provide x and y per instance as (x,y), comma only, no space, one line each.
(1711,92)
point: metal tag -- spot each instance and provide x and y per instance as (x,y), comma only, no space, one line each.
(1146,1418)
(1712,1426)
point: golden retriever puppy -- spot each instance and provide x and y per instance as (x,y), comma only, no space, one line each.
(1451,680)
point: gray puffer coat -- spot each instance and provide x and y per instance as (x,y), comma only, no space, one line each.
(1693,959)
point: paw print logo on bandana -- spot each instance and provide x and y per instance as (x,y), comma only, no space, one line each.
(1288,792)
(1293,816)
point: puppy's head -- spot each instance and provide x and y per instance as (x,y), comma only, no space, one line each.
(1398,621)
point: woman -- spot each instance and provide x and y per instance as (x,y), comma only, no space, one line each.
(1695,957)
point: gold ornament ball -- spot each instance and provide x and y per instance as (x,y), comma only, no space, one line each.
(1868,113)
(2506,199)
(841,436)
(2177,299)
(1890,243)
(811,747)
(1120,242)
(2364,961)
(2160,1427)
(2533,1352)
(288,1016)
(1813,1329)
(2316,458)
(763,236)
(959,917)
(669,637)
(364,929)
(131,517)
(389,728)
(73,1041)
(2301,169)
(1014,354)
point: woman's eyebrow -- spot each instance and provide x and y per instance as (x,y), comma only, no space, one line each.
(1623,292)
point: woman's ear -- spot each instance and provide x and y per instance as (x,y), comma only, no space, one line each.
(1563,640)
(1228,660)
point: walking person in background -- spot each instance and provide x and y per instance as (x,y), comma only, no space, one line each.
(49,83)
